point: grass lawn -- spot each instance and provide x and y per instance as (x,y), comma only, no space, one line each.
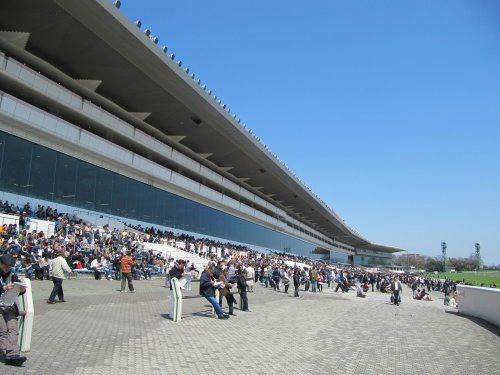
(486,277)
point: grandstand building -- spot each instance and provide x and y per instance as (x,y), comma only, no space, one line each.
(99,120)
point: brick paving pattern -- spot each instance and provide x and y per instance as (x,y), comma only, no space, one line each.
(102,331)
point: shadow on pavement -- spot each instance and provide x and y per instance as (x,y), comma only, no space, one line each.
(481,322)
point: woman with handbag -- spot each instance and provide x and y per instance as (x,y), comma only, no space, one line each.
(226,291)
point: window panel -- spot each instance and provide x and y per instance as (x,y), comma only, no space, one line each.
(43,167)
(120,193)
(103,188)
(31,169)
(86,185)
(2,143)
(16,165)
(65,181)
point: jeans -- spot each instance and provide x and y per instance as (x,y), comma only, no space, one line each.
(397,298)
(57,290)
(314,285)
(216,306)
(276,284)
(296,293)
(286,287)
(127,276)
(108,272)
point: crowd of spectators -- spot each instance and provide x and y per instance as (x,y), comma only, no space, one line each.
(99,250)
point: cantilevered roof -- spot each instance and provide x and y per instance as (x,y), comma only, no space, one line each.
(102,50)
(382,248)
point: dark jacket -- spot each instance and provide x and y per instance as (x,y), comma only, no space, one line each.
(175,272)
(216,273)
(296,279)
(276,275)
(206,288)
(242,282)
(6,279)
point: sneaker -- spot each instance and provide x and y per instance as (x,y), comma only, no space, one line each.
(221,317)
(132,291)
(122,291)
(50,302)
(15,360)
(226,316)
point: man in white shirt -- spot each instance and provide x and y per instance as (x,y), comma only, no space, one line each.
(59,268)
(250,275)
(396,290)
(96,267)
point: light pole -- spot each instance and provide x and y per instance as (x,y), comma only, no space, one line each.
(478,255)
(443,251)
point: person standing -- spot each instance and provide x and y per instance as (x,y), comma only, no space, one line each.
(177,271)
(296,282)
(226,291)
(251,275)
(314,279)
(396,290)
(242,288)
(9,329)
(372,281)
(286,279)
(276,278)
(126,267)
(59,267)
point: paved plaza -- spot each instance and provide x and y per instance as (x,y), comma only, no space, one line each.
(102,331)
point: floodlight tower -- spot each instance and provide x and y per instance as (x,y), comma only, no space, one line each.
(443,251)
(478,255)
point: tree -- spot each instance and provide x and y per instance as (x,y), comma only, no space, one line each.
(434,264)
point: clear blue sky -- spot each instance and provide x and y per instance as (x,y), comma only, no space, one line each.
(388,110)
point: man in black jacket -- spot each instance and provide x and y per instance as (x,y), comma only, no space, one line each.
(296,281)
(207,289)
(242,288)
(177,271)
(9,330)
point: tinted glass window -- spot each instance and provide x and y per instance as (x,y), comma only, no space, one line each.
(104,189)
(86,185)
(2,143)
(65,183)
(16,165)
(31,169)
(120,193)
(43,168)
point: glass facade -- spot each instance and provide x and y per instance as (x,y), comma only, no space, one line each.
(35,171)
(367,260)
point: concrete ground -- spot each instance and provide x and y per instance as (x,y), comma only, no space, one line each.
(101,331)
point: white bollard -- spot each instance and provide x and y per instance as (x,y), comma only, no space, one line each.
(25,304)
(176,301)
